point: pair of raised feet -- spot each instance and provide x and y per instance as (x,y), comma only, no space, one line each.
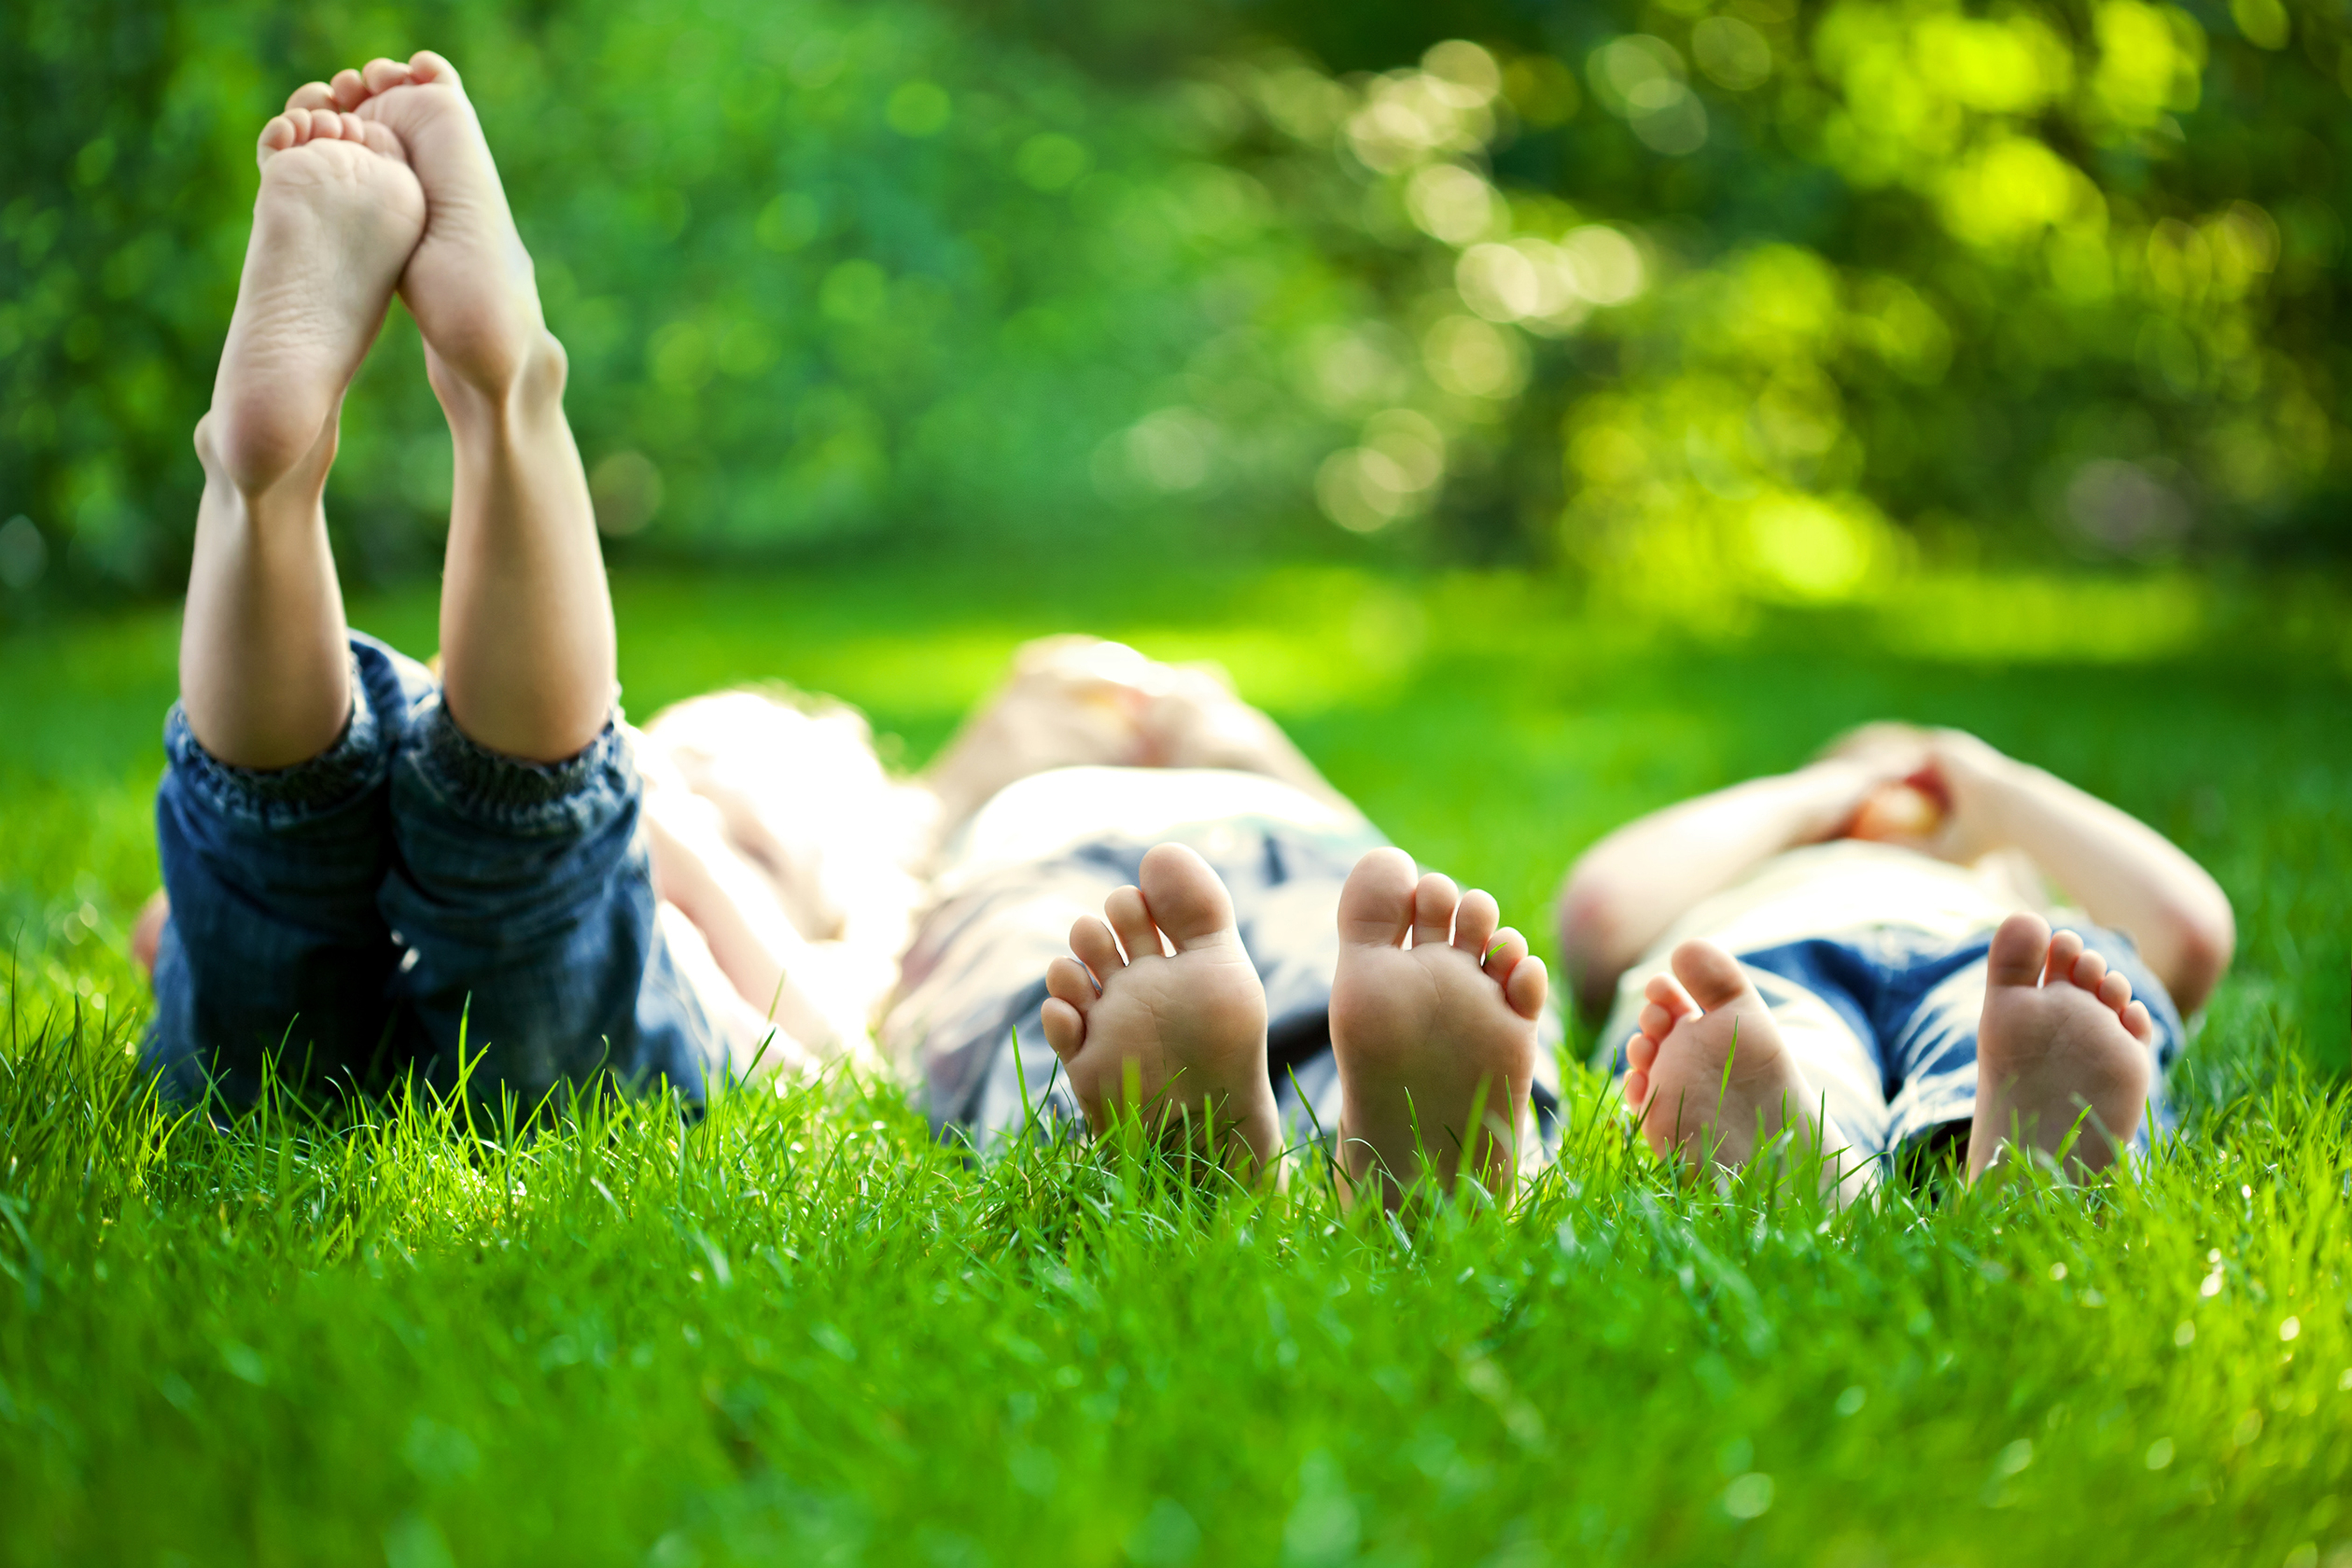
(2063,1055)
(378,179)
(1159,1014)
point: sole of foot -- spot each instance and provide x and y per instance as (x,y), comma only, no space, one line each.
(1175,1039)
(1710,1078)
(470,284)
(2061,1045)
(339,217)
(1434,1012)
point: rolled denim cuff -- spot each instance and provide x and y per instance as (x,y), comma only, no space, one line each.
(524,798)
(277,797)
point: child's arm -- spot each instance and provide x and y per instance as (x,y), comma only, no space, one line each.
(2121,871)
(1624,891)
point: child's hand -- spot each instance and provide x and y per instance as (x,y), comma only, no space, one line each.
(1874,785)
(1937,792)
(1949,807)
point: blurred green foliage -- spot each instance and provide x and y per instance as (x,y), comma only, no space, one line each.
(823,268)
(1719,301)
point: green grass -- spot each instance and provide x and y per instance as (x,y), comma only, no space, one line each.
(799,1332)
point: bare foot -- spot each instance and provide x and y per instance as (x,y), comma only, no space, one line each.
(338,216)
(147,930)
(470,284)
(2060,1035)
(1709,1077)
(1435,1041)
(1177,1038)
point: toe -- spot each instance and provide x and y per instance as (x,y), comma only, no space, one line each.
(1129,916)
(311,95)
(1091,940)
(1637,1089)
(1475,921)
(2019,948)
(382,75)
(2115,990)
(2141,1026)
(1503,952)
(2065,949)
(1712,977)
(1434,903)
(278,135)
(430,67)
(1066,981)
(1526,987)
(1641,1052)
(349,88)
(1376,906)
(1656,1022)
(1066,1030)
(1186,898)
(1666,994)
(2090,972)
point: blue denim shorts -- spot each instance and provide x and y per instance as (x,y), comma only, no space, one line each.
(408,896)
(1883,1019)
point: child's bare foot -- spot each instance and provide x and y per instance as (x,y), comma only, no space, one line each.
(1709,1074)
(470,284)
(2060,1034)
(1436,1041)
(338,216)
(147,930)
(1177,1037)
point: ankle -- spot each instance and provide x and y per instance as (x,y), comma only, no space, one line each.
(500,385)
(254,464)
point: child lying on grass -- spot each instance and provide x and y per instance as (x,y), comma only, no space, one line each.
(1098,802)
(1896,986)
(372,870)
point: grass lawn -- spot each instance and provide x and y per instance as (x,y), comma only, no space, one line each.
(798,1333)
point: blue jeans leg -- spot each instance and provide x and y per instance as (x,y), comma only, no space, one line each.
(522,896)
(274,946)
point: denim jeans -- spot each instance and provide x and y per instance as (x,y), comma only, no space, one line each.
(408,896)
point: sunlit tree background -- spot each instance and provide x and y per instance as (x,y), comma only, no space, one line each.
(1714,303)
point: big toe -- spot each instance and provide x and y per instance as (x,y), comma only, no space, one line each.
(1711,976)
(427,66)
(2020,947)
(1189,903)
(1376,906)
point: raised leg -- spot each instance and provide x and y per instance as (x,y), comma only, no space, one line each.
(264,656)
(526,637)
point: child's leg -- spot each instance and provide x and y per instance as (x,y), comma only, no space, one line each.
(270,822)
(526,639)
(264,664)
